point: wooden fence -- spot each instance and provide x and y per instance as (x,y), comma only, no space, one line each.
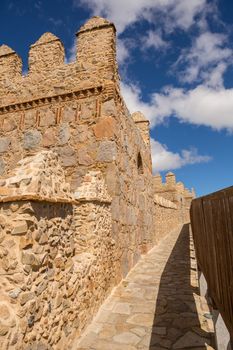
(212,226)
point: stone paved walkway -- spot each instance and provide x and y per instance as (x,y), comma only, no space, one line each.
(157,306)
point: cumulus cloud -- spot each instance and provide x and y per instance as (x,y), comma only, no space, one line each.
(163,159)
(123,50)
(133,98)
(175,13)
(154,39)
(208,55)
(202,105)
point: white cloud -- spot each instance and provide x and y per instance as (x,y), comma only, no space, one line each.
(202,105)
(154,39)
(133,99)
(163,159)
(184,12)
(207,53)
(71,56)
(123,50)
(173,13)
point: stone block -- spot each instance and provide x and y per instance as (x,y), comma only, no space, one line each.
(47,118)
(81,133)
(109,108)
(30,259)
(25,243)
(69,114)
(14,293)
(2,166)
(26,296)
(31,139)
(19,228)
(64,134)
(88,110)
(105,128)
(49,138)
(4,144)
(68,156)
(9,124)
(84,157)
(30,118)
(107,151)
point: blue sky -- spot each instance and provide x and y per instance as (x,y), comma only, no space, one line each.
(176,64)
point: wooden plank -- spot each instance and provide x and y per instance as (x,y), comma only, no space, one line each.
(212,227)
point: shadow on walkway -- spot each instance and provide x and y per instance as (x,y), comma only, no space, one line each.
(176,323)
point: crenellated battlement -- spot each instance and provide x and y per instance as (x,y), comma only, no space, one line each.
(47,53)
(10,64)
(48,72)
(172,190)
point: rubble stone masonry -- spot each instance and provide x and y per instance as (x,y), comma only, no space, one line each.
(78,202)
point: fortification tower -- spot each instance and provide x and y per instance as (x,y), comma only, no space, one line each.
(96,46)
(144,126)
(170,179)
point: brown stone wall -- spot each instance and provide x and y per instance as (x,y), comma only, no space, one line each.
(166,220)
(69,254)
(54,273)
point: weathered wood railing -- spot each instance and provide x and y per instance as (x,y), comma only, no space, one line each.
(212,226)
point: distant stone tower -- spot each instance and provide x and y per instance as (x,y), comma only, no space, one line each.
(170,179)
(144,126)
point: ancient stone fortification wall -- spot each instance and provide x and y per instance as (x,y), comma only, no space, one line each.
(50,285)
(175,192)
(57,255)
(104,214)
(77,111)
(168,216)
(60,257)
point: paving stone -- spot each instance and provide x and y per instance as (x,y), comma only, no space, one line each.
(126,338)
(141,320)
(160,330)
(155,307)
(189,340)
(122,308)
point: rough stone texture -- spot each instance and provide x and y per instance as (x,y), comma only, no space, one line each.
(85,176)
(58,258)
(40,175)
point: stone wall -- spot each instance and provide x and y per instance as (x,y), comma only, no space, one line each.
(77,111)
(58,259)
(175,192)
(167,217)
(60,253)
(53,277)
(82,194)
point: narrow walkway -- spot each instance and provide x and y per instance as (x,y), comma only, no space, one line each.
(157,306)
